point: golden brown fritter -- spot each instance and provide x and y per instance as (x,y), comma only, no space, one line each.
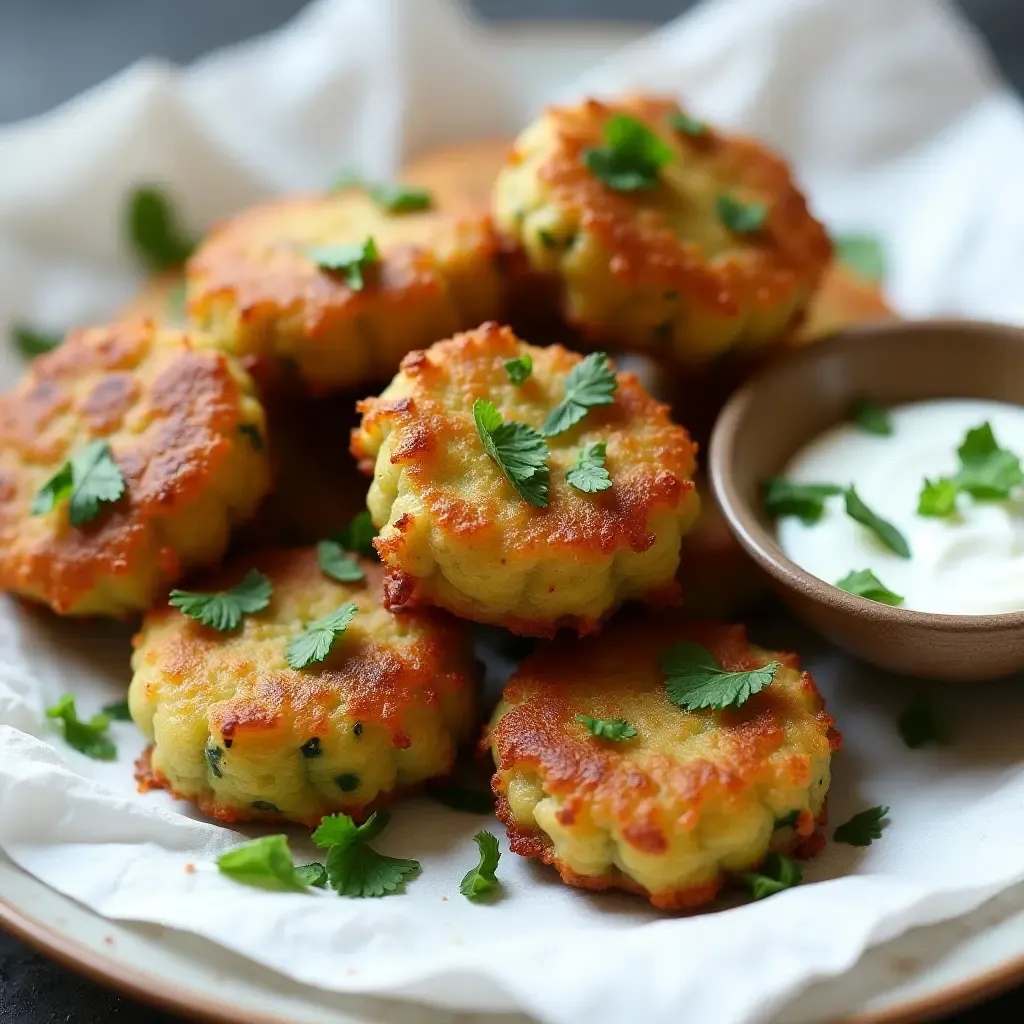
(693,796)
(244,735)
(255,285)
(661,269)
(185,431)
(455,533)
(161,300)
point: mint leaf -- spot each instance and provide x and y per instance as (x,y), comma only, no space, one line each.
(90,479)
(864,583)
(783,497)
(697,680)
(589,383)
(335,562)
(314,643)
(482,879)
(31,342)
(739,217)
(938,497)
(922,722)
(615,729)
(118,712)
(589,474)
(632,156)
(883,530)
(224,609)
(862,254)
(519,370)
(89,738)
(401,198)
(265,863)
(351,261)
(153,230)
(872,417)
(518,450)
(986,470)
(687,125)
(863,828)
(777,873)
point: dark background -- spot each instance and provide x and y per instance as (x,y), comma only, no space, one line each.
(52,49)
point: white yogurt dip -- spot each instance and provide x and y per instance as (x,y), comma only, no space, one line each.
(970,563)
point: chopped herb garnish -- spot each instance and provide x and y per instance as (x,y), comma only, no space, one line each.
(590,383)
(519,451)
(335,562)
(252,433)
(89,738)
(314,643)
(589,473)
(922,722)
(358,535)
(401,198)
(224,610)
(89,480)
(31,342)
(862,254)
(872,417)
(548,240)
(739,217)
(616,729)
(864,583)
(154,232)
(883,530)
(777,873)
(118,712)
(632,156)
(938,498)
(482,879)
(470,801)
(783,497)
(347,782)
(696,679)
(267,864)
(314,875)
(863,828)
(352,261)
(311,748)
(214,755)
(687,125)
(265,805)
(353,867)
(519,370)
(986,470)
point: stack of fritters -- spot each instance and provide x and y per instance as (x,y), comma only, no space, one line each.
(515,482)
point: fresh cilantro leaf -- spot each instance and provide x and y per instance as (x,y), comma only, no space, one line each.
(481,880)
(589,383)
(90,479)
(118,712)
(519,370)
(986,470)
(224,609)
(739,217)
(632,156)
(883,530)
(783,497)
(518,450)
(358,535)
(153,230)
(312,874)
(872,417)
(687,125)
(862,828)
(265,863)
(696,679)
(252,434)
(470,801)
(938,497)
(862,254)
(353,867)
(31,342)
(922,722)
(353,261)
(314,643)
(337,563)
(401,198)
(589,474)
(89,738)
(777,873)
(616,729)
(864,583)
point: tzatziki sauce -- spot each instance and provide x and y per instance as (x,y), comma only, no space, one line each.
(970,562)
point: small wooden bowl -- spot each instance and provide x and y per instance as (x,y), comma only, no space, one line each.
(764,424)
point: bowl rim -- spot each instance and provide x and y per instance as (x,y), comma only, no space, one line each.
(761,545)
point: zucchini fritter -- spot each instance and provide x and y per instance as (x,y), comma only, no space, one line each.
(662,267)
(162,299)
(247,737)
(455,533)
(693,796)
(182,424)
(256,286)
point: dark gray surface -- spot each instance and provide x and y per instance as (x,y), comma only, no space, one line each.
(52,49)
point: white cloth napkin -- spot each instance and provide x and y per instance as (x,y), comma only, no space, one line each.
(898,126)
